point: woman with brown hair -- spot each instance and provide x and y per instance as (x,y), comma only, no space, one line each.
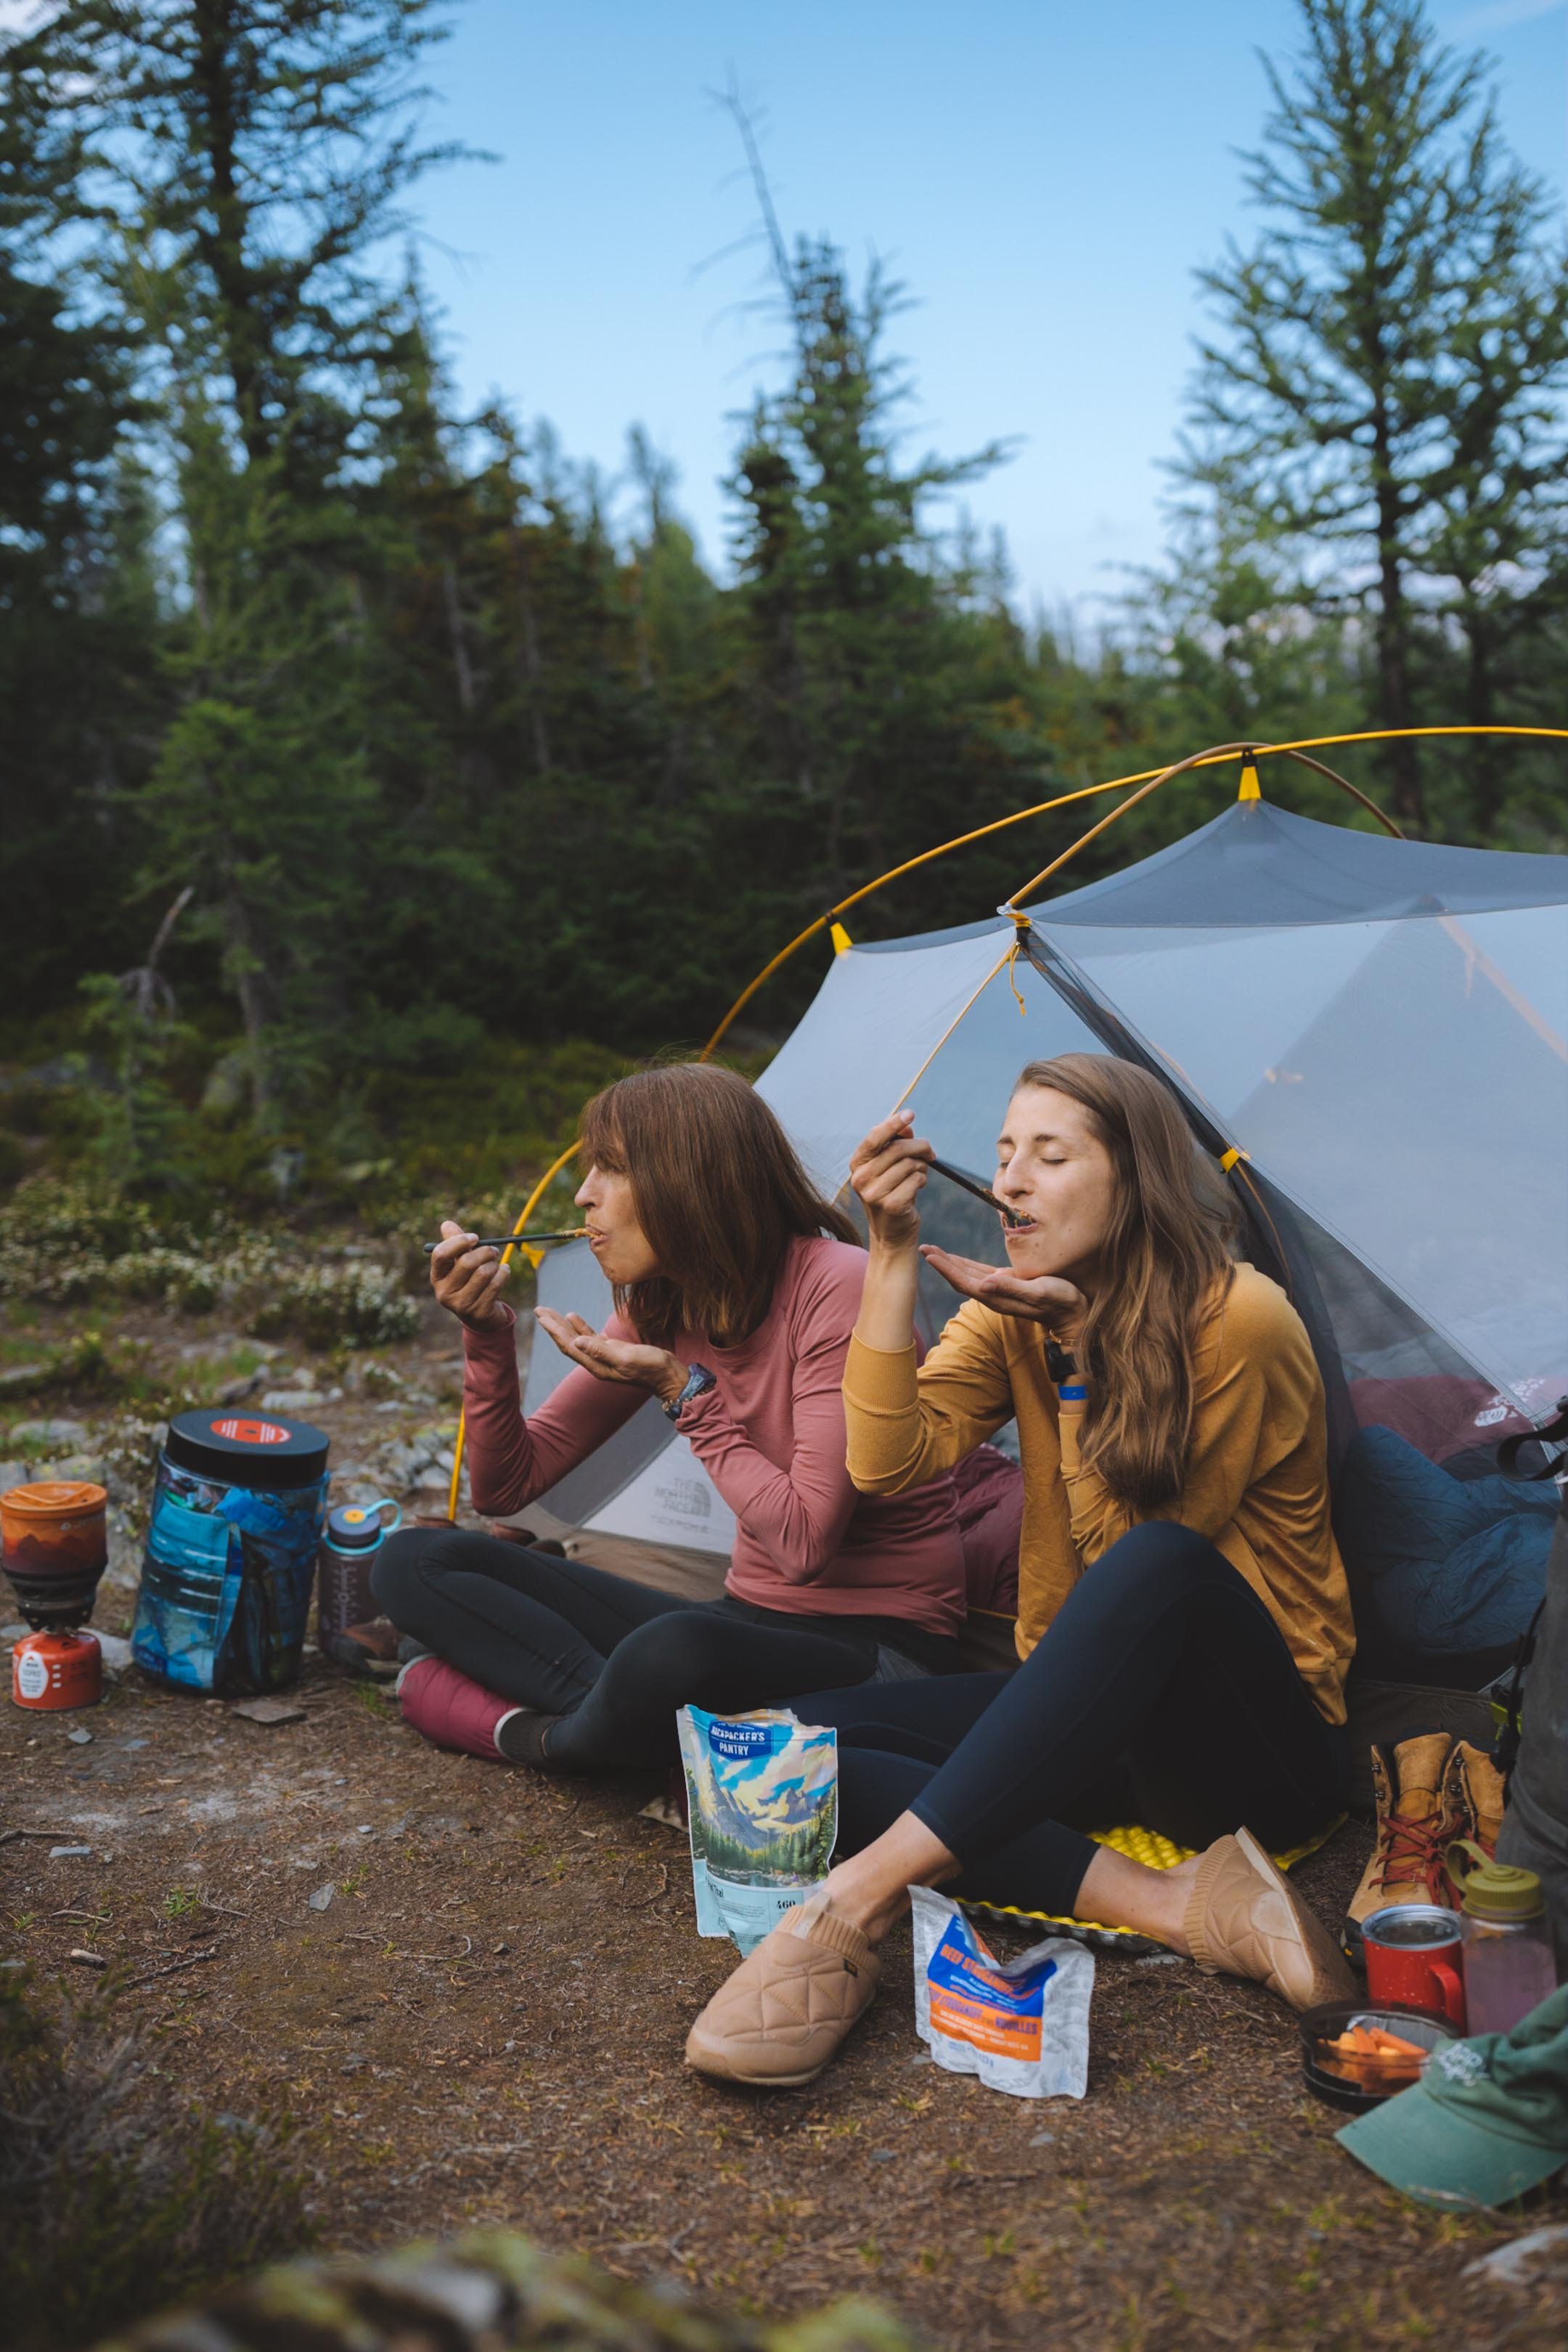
(736,1290)
(1183,1623)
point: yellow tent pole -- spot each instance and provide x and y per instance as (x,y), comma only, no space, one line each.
(1117,783)
(529,1205)
(1255,750)
(961,841)
(1147,780)
(1215,753)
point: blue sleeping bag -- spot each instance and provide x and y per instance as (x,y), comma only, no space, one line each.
(1444,1565)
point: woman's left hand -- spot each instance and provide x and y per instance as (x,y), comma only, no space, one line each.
(624,1360)
(1029,1297)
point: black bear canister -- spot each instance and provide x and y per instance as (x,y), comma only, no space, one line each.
(353,1535)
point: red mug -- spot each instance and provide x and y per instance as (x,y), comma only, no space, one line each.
(1413,1955)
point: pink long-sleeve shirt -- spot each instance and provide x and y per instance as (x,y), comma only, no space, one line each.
(770,1436)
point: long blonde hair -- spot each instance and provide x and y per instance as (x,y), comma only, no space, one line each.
(1166,1247)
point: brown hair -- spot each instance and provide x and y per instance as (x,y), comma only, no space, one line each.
(719,1192)
(1167,1246)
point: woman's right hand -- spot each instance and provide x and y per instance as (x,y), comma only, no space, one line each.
(468,1280)
(888,1174)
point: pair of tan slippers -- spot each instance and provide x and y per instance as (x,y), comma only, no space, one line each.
(784,2013)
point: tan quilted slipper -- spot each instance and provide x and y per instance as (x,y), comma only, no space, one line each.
(788,2005)
(1243,1918)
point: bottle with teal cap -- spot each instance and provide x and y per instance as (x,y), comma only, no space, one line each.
(353,1535)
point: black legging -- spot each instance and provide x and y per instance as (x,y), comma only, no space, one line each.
(614,1659)
(1162,1693)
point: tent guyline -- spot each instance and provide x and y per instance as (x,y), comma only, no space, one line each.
(1138,787)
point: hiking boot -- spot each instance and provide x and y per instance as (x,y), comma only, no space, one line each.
(789,2004)
(1244,1919)
(1473,1803)
(1413,1829)
(368,1649)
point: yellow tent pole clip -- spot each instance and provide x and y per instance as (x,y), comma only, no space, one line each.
(840,937)
(1227,1160)
(1249,789)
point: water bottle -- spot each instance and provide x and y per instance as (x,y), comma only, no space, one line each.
(353,1535)
(1505,1945)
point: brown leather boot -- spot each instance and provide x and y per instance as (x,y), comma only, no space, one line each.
(1413,1816)
(1245,1919)
(783,2013)
(1473,1803)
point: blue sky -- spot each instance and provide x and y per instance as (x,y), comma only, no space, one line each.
(1043,174)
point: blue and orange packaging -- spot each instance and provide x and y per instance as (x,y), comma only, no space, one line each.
(1022,2025)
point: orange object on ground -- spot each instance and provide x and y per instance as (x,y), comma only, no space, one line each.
(57,1670)
(1371,2055)
(54,1547)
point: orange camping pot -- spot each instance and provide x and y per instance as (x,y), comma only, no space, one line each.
(54,1547)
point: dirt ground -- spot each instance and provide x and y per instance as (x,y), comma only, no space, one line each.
(483,2023)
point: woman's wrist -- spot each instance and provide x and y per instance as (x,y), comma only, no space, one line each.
(670,1380)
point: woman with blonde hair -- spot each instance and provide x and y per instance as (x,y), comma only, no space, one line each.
(735,1288)
(1184,1624)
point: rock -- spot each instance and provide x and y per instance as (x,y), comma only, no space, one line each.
(495,2290)
(1528,2261)
(321,1900)
(116,1651)
(79,1738)
(13,1473)
(65,1434)
(232,1392)
(299,1399)
(90,1468)
(70,1852)
(269,1711)
(14,1632)
(17,1378)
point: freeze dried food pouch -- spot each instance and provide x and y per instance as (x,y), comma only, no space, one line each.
(1021,2026)
(762,1796)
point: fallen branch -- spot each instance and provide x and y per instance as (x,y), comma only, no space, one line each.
(447,1960)
(192,1960)
(7,1835)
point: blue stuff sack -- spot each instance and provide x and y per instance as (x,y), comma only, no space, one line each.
(230,1560)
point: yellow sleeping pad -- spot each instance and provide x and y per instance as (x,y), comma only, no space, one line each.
(1157,1853)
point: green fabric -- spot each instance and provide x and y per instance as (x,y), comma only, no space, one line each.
(1487,2121)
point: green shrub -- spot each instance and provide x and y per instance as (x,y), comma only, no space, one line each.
(331,1305)
(119,2195)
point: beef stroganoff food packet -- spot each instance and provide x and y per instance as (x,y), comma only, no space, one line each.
(762,1796)
(1022,2026)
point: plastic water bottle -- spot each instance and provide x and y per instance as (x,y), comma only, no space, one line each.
(1505,1945)
(350,1539)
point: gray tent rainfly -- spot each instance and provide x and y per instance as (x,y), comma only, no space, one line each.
(1379,1025)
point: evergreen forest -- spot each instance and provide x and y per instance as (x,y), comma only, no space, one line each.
(370,774)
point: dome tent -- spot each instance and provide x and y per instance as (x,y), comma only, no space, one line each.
(1370,1032)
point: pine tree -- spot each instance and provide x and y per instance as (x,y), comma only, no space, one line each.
(1381,406)
(78,607)
(255,151)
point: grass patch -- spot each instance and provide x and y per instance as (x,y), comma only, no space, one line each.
(119,2195)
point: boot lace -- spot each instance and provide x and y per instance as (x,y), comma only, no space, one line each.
(1410,1850)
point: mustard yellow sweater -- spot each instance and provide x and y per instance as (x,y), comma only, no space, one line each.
(1257,1481)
